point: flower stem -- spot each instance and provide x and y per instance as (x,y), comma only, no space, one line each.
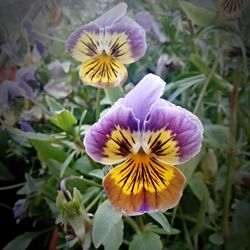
(98,97)
(231,156)
(132,223)
(12,186)
(64,188)
(203,90)
(93,202)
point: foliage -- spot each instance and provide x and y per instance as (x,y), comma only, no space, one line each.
(206,72)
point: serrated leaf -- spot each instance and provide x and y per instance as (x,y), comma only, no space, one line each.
(161,219)
(21,242)
(146,241)
(115,237)
(104,219)
(64,119)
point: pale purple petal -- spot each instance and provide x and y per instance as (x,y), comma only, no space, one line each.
(112,16)
(136,37)
(148,22)
(26,74)
(186,128)
(98,135)
(145,94)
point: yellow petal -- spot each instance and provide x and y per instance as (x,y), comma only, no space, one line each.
(103,71)
(143,184)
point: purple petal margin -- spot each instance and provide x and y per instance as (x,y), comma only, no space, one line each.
(136,35)
(186,128)
(97,136)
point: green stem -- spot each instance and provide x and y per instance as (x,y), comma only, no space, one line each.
(231,156)
(132,223)
(173,216)
(203,90)
(187,236)
(64,188)
(12,186)
(98,97)
(94,202)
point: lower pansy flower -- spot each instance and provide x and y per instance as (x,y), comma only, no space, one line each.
(148,136)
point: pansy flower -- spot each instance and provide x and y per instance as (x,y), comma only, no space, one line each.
(105,45)
(148,136)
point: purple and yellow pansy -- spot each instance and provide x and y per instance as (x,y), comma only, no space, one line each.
(105,45)
(148,136)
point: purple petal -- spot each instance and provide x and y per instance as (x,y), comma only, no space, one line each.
(148,22)
(25,126)
(26,74)
(27,25)
(185,128)
(112,16)
(8,90)
(40,47)
(120,119)
(57,89)
(84,42)
(135,37)
(28,91)
(146,93)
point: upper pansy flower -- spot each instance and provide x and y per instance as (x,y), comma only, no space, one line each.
(149,135)
(105,45)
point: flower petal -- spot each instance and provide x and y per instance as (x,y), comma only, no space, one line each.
(146,93)
(125,40)
(143,184)
(172,134)
(85,42)
(114,137)
(113,15)
(103,71)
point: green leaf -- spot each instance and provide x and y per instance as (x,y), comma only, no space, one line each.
(64,119)
(48,150)
(30,135)
(98,173)
(115,237)
(189,167)
(104,219)
(21,242)
(146,241)
(54,106)
(205,17)
(114,94)
(66,163)
(217,136)
(83,165)
(199,189)
(161,219)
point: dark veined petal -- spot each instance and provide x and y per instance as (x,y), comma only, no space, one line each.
(103,71)
(231,9)
(85,42)
(172,134)
(143,184)
(125,40)
(145,94)
(114,137)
